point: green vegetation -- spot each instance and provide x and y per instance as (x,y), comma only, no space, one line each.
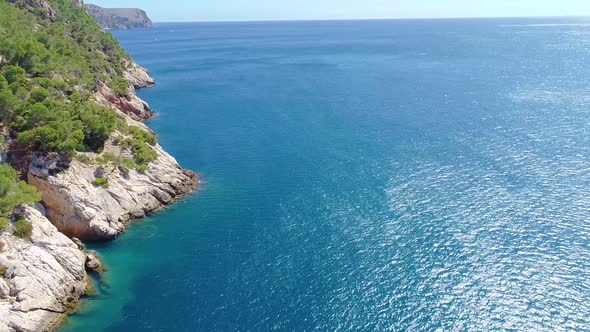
(141,147)
(3,270)
(14,193)
(119,85)
(4,222)
(143,135)
(101,182)
(140,143)
(48,70)
(83,158)
(23,228)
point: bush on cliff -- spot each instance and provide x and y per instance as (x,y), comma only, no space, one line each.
(101,182)
(23,228)
(4,222)
(13,192)
(119,85)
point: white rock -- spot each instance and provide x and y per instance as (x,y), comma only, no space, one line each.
(44,275)
(79,209)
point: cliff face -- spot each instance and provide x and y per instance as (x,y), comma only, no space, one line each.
(44,276)
(119,18)
(80,209)
(129,104)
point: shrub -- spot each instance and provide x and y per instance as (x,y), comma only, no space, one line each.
(3,270)
(119,85)
(101,182)
(98,122)
(54,136)
(142,152)
(109,157)
(129,163)
(38,95)
(14,193)
(143,135)
(4,222)
(23,228)
(117,140)
(141,146)
(14,74)
(142,168)
(83,158)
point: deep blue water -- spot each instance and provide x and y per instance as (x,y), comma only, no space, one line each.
(363,176)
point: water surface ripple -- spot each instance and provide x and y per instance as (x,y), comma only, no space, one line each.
(363,176)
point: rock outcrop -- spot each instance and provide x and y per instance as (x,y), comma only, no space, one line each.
(138,76)
(80,209)
(119,18)
(43,277)
(129,104)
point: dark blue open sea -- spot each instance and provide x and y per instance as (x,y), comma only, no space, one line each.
(412,175)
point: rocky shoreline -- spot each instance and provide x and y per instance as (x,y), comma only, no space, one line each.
(46,276)
(80,209)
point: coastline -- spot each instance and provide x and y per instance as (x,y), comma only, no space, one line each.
(54,325)
(46,276)
(79,209)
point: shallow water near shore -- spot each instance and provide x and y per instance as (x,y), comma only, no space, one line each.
(362,176)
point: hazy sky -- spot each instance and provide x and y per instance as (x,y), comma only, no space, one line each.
(237,10)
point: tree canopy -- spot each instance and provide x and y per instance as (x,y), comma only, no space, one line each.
(48,71)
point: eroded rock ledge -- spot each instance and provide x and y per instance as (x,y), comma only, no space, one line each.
(80,209)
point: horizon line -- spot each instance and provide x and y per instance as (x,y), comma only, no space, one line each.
(374,19)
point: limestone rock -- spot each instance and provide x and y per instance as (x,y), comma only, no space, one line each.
(79,243)
(79,209)
(93,263)
(44,276)
(138,76)
(128,104)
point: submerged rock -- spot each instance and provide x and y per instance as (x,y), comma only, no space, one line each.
(93,263)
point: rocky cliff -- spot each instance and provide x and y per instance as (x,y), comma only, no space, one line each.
(80,209)
(43,277)
(119,18)
(129,104)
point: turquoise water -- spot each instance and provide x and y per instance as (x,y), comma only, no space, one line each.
(363,176)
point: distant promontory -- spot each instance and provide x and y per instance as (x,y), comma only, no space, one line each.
(119,18)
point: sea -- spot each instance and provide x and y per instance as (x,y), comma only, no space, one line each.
(387,175)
